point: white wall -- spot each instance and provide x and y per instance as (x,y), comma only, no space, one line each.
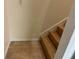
(28,19)
(70,48)
(68,31)
(6,27)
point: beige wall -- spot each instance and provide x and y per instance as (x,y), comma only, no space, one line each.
(25,20)
(58,9)
(6,28)
(32,17)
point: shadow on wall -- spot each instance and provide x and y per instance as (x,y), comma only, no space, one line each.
(73,57)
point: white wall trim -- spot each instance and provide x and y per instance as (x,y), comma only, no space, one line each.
(24,39)
(53,26)
(70,48)
(7,49)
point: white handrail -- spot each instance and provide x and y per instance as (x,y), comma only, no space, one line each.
(54,26)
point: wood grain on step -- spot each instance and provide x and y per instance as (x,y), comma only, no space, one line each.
(55,38)
(60,30)
(48,47)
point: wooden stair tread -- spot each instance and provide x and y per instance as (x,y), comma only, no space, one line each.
(56,36)
(50,42)
(62,27)
(60,30)
(49,47)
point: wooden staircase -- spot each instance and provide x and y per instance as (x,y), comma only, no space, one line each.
(51,41)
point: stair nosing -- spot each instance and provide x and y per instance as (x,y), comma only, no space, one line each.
(51,46)
(57,39)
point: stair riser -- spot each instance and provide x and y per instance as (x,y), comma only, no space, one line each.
(59,31)
(50,41)
(45,50)
(53,40)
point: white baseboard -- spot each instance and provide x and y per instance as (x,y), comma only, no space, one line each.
(7,49)
(24,39)
(52,27)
